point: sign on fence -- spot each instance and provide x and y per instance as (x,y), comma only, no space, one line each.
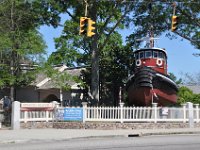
(59,114)
(73,114)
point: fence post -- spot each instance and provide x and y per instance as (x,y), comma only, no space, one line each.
(1,116)
(197,112)
(191,114)
(184,113)
(15,121)
(25,116)
(84,111)
(47,116)
(155,112)
(121,112)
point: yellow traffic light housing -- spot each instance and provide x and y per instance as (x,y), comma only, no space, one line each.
(91,28)
(83,25)
(174,23)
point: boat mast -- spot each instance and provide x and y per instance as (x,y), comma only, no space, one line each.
(151,34)
(151,37)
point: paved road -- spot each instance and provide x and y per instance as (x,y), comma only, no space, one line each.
(164,142)
(24,135)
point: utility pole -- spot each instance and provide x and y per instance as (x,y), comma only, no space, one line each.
(13,53)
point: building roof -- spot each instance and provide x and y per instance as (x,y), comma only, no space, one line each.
(195,88)
(43,82)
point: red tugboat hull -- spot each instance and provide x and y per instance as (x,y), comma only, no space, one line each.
(148,86)
(145,96)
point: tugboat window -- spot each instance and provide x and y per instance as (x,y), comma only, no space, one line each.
(160,55)
(136,56)
(148,54)
(141,55)
(155,54)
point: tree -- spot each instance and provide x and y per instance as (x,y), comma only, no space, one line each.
(186,95)
(60,78)
(191,79)
(109,16)
(158,15)
(20,40)
(174,78)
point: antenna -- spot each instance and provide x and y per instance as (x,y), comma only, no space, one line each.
(150,37)
(149,41)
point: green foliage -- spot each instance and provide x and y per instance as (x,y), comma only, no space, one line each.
(20,41)
(114,66)
(186,95)
(174,78)
(59,79)
(73,49)
(160,18)
(106,48)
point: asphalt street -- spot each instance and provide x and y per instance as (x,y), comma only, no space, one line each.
(156,142)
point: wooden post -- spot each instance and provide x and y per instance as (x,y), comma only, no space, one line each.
(84,111)
(47,116)
(155,112)
(191,114)
(121,112)
(184,113)
(197,112)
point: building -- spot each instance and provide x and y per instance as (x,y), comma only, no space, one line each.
(45,90)
(195,88)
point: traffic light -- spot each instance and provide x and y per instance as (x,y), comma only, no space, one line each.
(91,28)
(83,25)
(174,23)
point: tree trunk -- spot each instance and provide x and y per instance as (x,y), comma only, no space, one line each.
(94,59)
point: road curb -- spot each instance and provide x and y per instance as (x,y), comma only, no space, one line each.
(169,133)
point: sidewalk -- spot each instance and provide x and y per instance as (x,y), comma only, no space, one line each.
(25,135)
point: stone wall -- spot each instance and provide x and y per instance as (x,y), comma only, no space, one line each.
(40,125)
(106,125)
(110,126)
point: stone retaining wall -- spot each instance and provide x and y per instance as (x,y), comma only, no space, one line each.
(106,125)
(38,125)
(110,126)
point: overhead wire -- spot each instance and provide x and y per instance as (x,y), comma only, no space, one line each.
(141,1)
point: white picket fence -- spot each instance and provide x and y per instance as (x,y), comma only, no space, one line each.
(32,115)
(142,114)
(121,114)
(36,112)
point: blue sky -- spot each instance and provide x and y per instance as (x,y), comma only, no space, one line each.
(180,58)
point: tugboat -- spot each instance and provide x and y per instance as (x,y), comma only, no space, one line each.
(149,82)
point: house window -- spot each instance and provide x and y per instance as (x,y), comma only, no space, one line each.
(148,54)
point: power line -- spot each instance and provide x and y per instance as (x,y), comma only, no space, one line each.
(141,1)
